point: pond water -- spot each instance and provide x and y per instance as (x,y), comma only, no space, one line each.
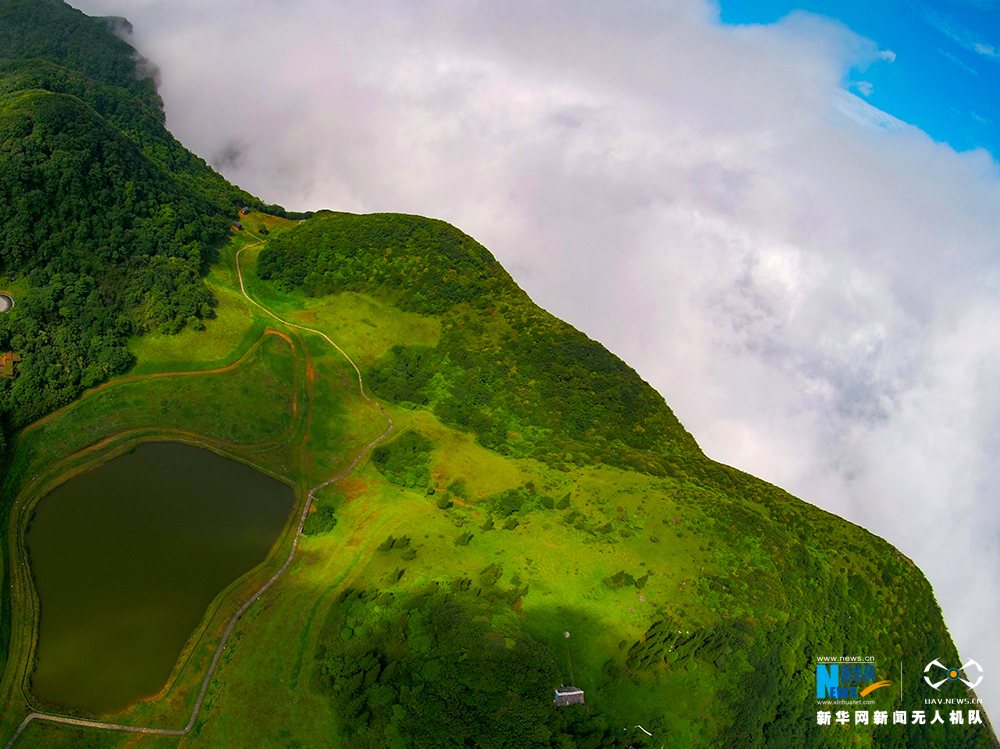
(126,559)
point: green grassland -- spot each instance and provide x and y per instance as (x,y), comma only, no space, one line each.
(265,376)
(255,409)
(191,348)
(696,596)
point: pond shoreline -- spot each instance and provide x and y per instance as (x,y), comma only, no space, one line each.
(138,547)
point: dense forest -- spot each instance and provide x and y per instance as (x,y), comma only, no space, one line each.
(107,224)
(424,670)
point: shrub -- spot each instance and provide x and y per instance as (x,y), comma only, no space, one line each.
(320,521)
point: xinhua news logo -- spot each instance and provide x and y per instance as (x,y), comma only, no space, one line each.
(951,674)
(846,681)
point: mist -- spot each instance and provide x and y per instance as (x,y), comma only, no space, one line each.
(811,283)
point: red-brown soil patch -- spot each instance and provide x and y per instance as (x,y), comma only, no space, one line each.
(353,488)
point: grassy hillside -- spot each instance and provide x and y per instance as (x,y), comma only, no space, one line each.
(741,585)
(533,483)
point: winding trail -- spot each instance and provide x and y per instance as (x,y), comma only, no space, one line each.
(68,720)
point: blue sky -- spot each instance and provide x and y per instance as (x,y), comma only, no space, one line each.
(946,75)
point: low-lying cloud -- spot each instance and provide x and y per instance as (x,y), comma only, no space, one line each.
(811,283)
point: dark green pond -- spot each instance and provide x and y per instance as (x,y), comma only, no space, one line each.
(126,559)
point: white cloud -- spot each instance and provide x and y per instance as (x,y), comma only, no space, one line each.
(961,34)
(949,56)
(810,282)
(865,88)
(862,113)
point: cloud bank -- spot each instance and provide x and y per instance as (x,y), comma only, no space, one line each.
(811,283)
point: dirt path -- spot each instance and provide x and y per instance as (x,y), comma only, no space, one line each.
(256,596)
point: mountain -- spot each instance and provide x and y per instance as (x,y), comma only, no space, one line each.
(533,483)
(106,222)
(788,581)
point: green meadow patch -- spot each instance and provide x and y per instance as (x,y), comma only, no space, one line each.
(223,338)
(250,403)
(367,328)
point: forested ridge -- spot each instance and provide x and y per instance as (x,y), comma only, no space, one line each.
(107,223)
(525,382)
(789,582)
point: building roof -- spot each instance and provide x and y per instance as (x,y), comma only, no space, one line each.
(7,360)
(568,696)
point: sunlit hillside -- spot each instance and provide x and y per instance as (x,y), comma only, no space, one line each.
(489,505)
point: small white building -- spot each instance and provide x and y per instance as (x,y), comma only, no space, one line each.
(567,696)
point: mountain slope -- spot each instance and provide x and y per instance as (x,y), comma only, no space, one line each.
(505,364)
(534,484)
(782,582)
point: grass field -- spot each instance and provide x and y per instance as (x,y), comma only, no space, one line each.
(349,319)
(210,404)
(564,568)
(236,324)
(227,335)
